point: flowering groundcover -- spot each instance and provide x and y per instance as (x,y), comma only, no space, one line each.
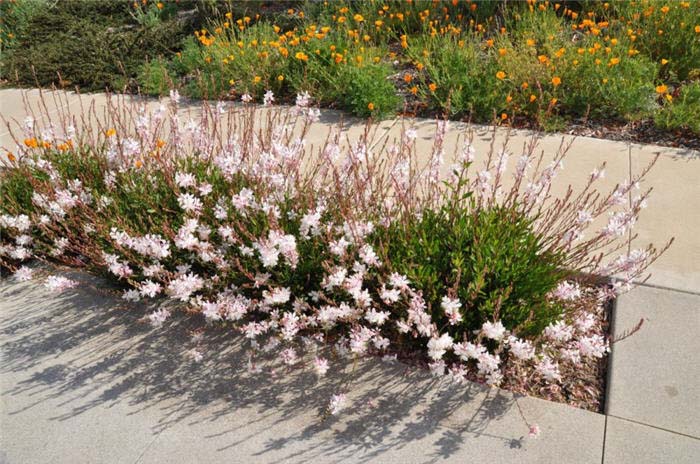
(362,246)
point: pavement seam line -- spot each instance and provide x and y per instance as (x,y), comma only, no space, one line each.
(50,113)
(605,436)
(653,427)
(670,289)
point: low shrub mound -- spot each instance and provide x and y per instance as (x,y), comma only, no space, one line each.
(349,248)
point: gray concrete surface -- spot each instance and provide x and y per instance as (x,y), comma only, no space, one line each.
(83,381)
(655,373)
(628,442)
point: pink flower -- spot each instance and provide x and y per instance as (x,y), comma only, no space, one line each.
(534,431)
(337,403)
(58,284)
(451,307)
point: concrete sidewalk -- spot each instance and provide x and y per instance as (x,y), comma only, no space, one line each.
(81,380)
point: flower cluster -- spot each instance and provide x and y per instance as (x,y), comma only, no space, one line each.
(245,224)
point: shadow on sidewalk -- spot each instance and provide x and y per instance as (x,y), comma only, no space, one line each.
(87,349)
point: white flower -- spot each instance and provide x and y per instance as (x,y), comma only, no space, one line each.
(493,330)
(196,355)
(158,317)
(437,368)
(369,257)
(339,246)
(246,98)
(150,288)
(594,346)
(467,350)
(521,349)
(289,356)
(57,284)
(451,307)
(184,286)
(376,317)
(23,274)
(567,291)
(390,296)
(185,180)
(399,281)
(268,98)
(277,296)
(303,99)
(189,202)
(336,404)
(321,366)
(548,369)
(559,331)
(211,311)
(437,347)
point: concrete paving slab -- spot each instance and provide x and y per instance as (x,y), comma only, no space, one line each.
(83,381)
(630,443)
(654,373)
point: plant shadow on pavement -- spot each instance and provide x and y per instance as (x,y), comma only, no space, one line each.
(86,349)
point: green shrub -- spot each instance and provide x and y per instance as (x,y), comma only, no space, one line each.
(683,112)
(462,74)
(93,45)
(490,258)
(155,77)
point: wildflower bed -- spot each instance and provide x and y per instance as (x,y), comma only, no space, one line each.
(543,64)
(363,246)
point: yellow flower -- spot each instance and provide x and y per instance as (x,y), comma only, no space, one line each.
(257,79)
(504,116)
(530,42)
(370,106)
(664,61)
(697,29)
(502,51)
(664,9)
(556,81)
(414,90)
(231,82)
(669,97)
(301,56)
(661,89)
(500,75)
(614,61)
(11,156)
(509,99)
(280,78)
(109,132)
(358,18)
(159,5)
(229,15)
(533,98)
(432,87)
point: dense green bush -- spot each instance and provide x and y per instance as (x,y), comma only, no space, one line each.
(683,112)
(489,258)
(90,44)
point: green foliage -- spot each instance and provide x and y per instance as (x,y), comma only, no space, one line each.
(463,75)
(683,112)
(489,258)
(156,78)
(93,45)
